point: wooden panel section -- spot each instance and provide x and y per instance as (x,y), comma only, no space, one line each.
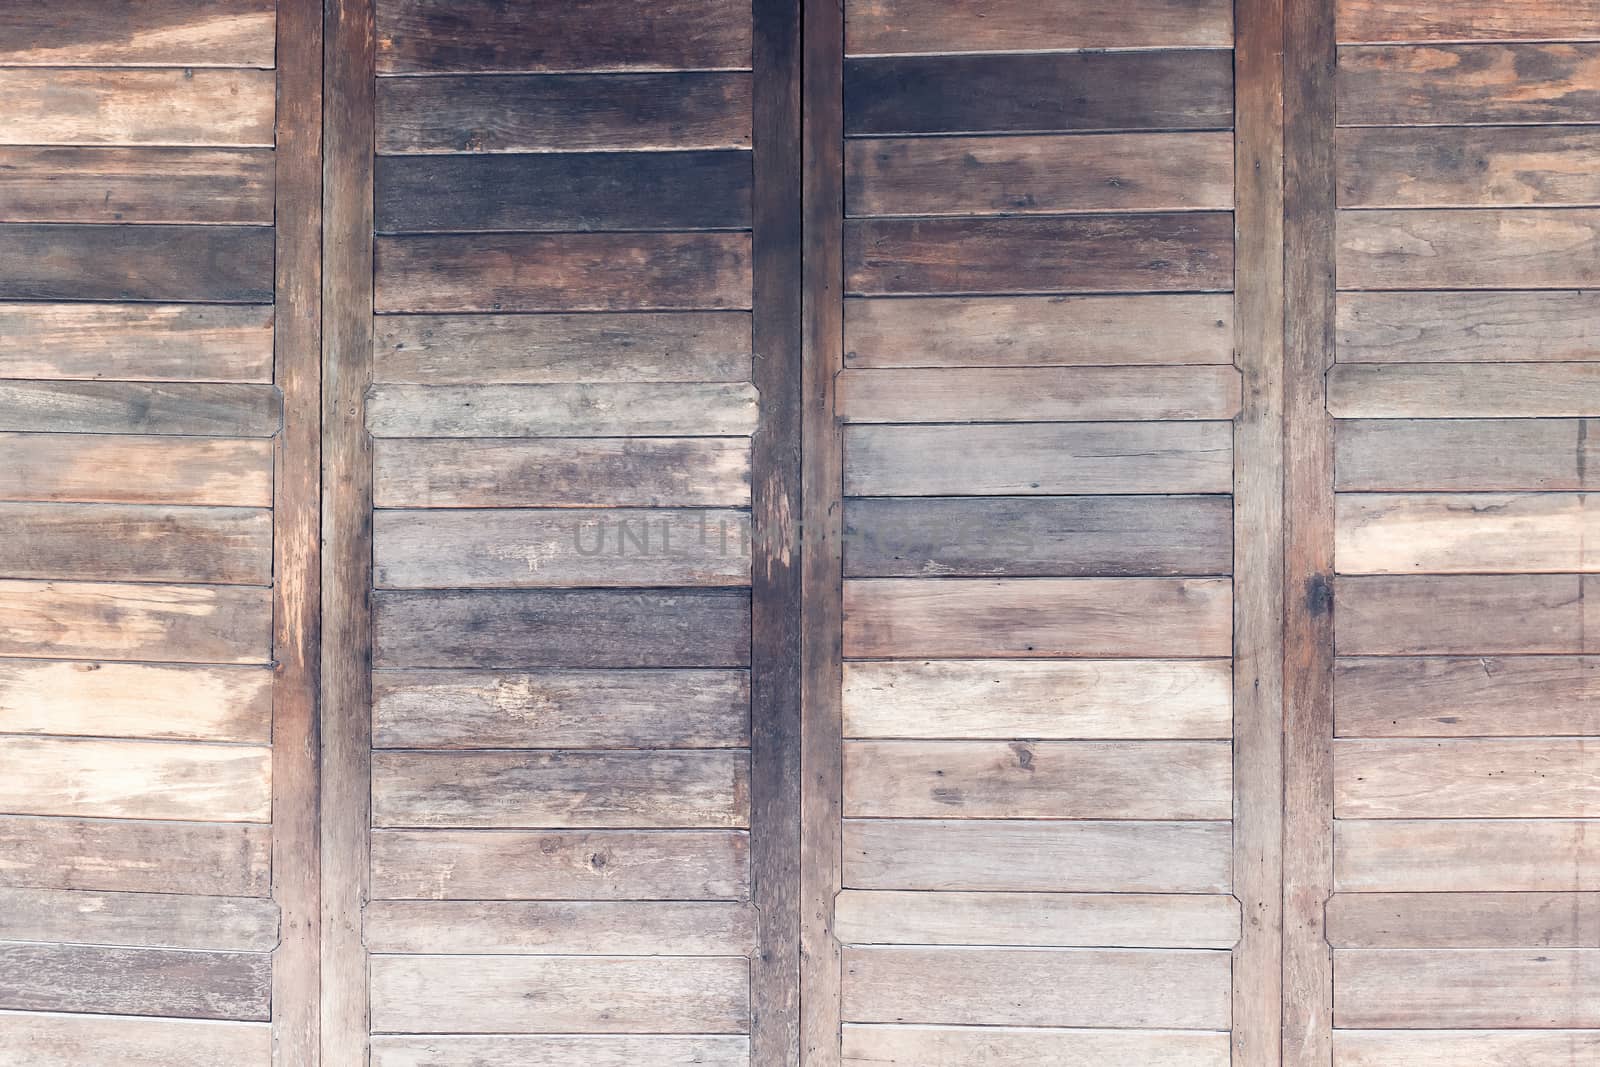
(1032,175)
(1129,920)
(1464,920)
(434,36)
(117,542)
(1503,166)
(73,1040)
(1033,394)
(1468,83)
(578,628)
(136,700)
(1171,780)
(1463,20)
(578,789)
(1481,454)
(1527,696)
(653,409)
(1457,615)
(560,1050)
(213,859)
(1088,857)
(136,342)
(136,470)
(1037,617)
(561,864)
(571,113)
(562,709)
(211,264)
(563,272)
(138,107)
(1459,855)
(619,472)
(159,623)
(711,346)
(1001,1046)
(890,26)
(112,185)
(558,191)
(175,408)
(1121,988)
(1405,989)
(148,920)
(1526,778)
(1089,458)
(137,780)
(1071,91)
(1003,331)
(1529,248)
(1465,533)
(139,981)
(1443,1048)
(1483,327)
(630,928)
(1442,391)
(1102,253)
(560,994)
(182,33)
(1003,699)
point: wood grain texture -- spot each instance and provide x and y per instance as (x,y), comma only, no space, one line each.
(1484,988)
(41,1040)
(157,623)
(623,409)
(140,920)
(620,928)
(220,108)
(562,191)
(1479,696)
(111,185)
(1440,1048)
(1461,855)
(1460,778)
(1060,920)
(136,780)
(1008,331)
(1053,856)
(1001,699)
(165,408)
(704,346)
(202,264)
(566,628)
(1034,394)
(1004,1046)
(593,1050)
(593,994)
(567,113)
(1119,988)
(1464,454)
(437,36)
(1465,533)
(137,342)
(1459,391)
(1438,85)
(1478,248)
(122,542)
(562,709)
(1481,327)
(1501,166)
(1038,536)
(118,855)
(1464,20)
(1042,93)
(1464,920)
(1103,253)
(563,272)
(179,33)
(113,469)
(174,703)
(614,472)
(135,981)
(560,865)
(1462,614)
(889,26)
(1039,459)
(1039,175)
(1037,617)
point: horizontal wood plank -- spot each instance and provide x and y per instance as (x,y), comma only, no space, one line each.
(1464,920)
(117,855)
(1445,1048)
(1498,166)
(1060,920)
(156,623)
(220,108)
(1410,455)
(1487,988)
(1007,1046)
(177,703)
(1038,394)
(136,779)
(1461,84)
(136,981)
(891,26)
(1461,778)
(560,1050)
(199,264)
(1465,533)
(1478,696)
(43,1040)
(1451,615)
(134,542)
(1462,855)
(1465,20)
(137,342)
(619,928)
(1468,327)
(141,920)
(179,33)
(1463,391)
(111,469)
(187,409)
(122,185)
(623,409)
(1473,248)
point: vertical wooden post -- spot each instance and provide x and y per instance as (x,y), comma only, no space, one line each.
(296,512)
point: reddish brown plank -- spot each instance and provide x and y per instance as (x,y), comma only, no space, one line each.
(1441,85)
(888,26)
(179,33)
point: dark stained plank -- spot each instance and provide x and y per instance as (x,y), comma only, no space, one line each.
(200,264)
(132,981)
(1468,84)
(120,855)
(1481,327)
(1464,391)
(1038,394)
(136,470)
(1535,988)
(560,1050)
(563,272)
(118,542)
(1405,455)
(1479,248)
(866,1045)
(1480,696)
(172,408)
(178,703)
(584,472)
(139,920)
(560,865)
(117,779)
(1465,855)
(601,409)
(1038,536)
(156,623)
(1073,91)
(1464,920)
(890,26)
(690,346)
(1009,331)
(1465,20)
(576,628)
(590,790)
(221,108)
(1108,253)
(509,928)
(1465,778)
(1040,459)
(137,342)
(563,113)
(1451,166)
(110,185)
(561,709)
(1039,175)
(1450,615)
(564,191)
(440,36)
(73,1040)
(148,33)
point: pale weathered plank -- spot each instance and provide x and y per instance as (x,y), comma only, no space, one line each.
(888,26)
(1466,454)
(1461,84)
(1034,394)
(137,342)
(1008,331)
(1477,988)
(1037,617)
(136,542)
(1464,920)
(45,1040)
(166,408)
(1088,857)
(1464,391)
(1005,699)
(560,1050)
(136,470)
(612,928)
(1468,327)
(1465,533)
(867,1045)
(1478,696)
(1448,1048)
(117,855)
(138,107)
(160,623)
(178,703)
(1451,615)
(1500,166)
(1120,988)
(136,779)
(560,864)
(1459,855)
(1460,778)
(1089,920)
(627,409)
(1168,780)
(137,185)
(1470,248)
(143,920)
(560,994)
(1465,20)
(179,33)
(136,981)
